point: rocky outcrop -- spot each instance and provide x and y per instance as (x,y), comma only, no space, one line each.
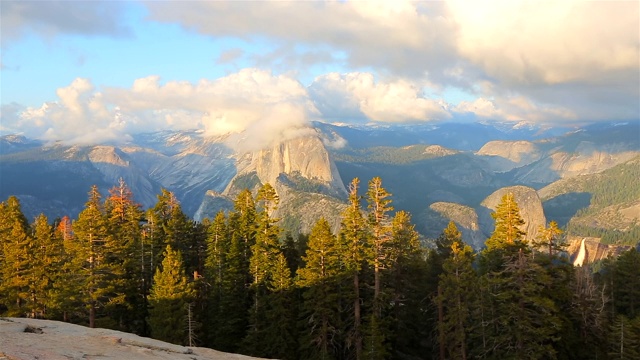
(506,155)
(29,339)
(305,156)
(594,250)
(303,175)
(530,210)
(465,218)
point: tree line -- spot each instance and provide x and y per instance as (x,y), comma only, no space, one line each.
(372,290)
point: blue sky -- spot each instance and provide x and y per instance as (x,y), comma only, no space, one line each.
(100,70)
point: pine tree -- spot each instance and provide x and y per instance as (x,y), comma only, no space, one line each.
(170,295)
(126,252)
(235,302)
(90,253)
(353,238)
(46,251)
(457,287)
(280,340)
(507,237)
(624,338)
(215,264)
(17,256)
(264,254)
(626,285)
(548,239)
(525,321)
(379,207)
(407,284)
(319,280)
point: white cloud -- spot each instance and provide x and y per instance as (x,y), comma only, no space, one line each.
(578,57)
(514,109)
(80,116)
(551,42)
(262,106)
(358,94)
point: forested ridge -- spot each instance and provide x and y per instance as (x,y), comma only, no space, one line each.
(238,283)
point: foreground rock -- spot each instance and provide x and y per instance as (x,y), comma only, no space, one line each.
(30,339)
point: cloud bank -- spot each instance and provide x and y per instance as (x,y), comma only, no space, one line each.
(545,61)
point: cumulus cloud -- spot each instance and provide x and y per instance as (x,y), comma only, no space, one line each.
(79,116)
(263,108)
(548,42)
(514,109)
(358,95)
(50,18)
(402,36)
(578,57)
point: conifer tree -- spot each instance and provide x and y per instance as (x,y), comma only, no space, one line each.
(507,237)
(457,286)
(126,249)
(379,208)
(264,254)
(319,279)
(234,302)
(407,284)
(90,253)
(626,284)
(16,256)
(280,340)
(170,295)
(353,238)
(548,239)
(525,321)
(624,338)
(46,252)
(215,266)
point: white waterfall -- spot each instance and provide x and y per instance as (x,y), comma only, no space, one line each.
(581,254)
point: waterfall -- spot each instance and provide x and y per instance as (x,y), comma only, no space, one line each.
(581,254)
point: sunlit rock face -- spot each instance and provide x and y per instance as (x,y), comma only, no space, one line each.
(305,156)
(530,210)
(593,250)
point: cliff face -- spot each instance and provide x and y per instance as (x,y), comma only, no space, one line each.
(594,250)
(507,155)
(303,156)
(303,175)
(530,210)
(465,218)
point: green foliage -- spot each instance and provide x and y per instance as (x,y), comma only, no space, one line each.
(386,154)
(169,298)
(369,292)
(457,288)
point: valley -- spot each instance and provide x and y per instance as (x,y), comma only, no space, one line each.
(585,179)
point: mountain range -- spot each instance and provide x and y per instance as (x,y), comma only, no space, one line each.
(449,171)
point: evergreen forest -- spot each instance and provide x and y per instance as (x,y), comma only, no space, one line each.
(372,290)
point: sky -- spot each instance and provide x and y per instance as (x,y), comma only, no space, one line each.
(90,71)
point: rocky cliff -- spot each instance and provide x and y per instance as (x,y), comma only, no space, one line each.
(465,218)
(530,210)
(303,175)
(305,156)
(507,155)
(594,250)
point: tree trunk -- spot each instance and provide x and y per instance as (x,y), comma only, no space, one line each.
(356,316)
(441,324)
(92,315)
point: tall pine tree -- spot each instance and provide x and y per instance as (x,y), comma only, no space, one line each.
(170,296)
